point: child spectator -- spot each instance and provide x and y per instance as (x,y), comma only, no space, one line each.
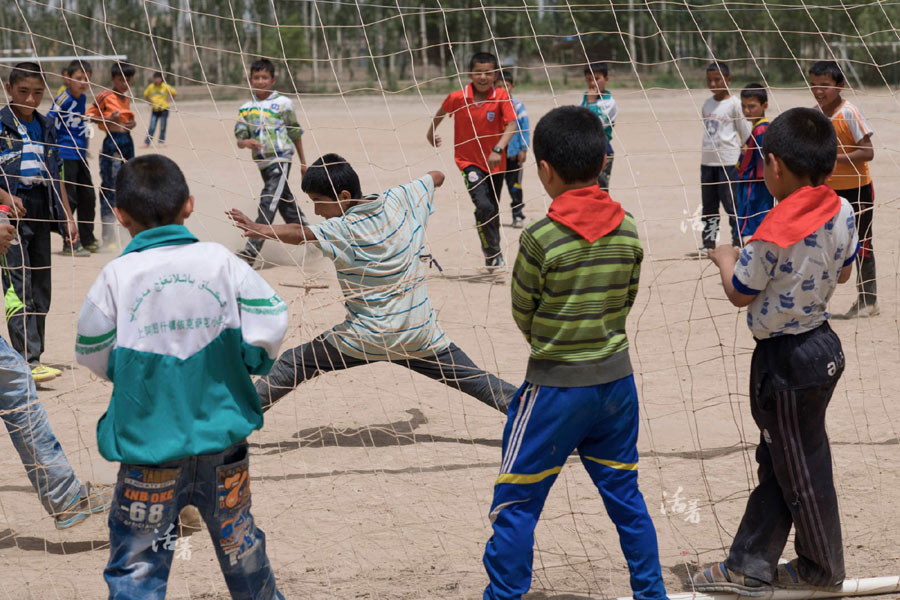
(30,184)
(179,326)
(600,102)
(579,391)
(516,151)
(785,276)
(158,93)
(753,198)
(71,135)
(851,179)
(62,494)
(724,130)
(484,123)
(268,126)
(112,111)
(377,244)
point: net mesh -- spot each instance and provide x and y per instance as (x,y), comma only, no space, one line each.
(375,482)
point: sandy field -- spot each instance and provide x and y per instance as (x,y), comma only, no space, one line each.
(376,482)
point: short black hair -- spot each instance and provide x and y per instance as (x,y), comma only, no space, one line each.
(79,65)
(805,140)
(829,68)
(123,70)
(330,175)
(151,189)
(720,67)
(25,70)
(572,141)
(596,68)
(263,64)
(755,90)
(507,77)
(157,74)
(483,58)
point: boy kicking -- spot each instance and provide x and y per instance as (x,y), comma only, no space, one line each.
(579,390)
(377,244)
(484,121)
(786,275)
(268,126)
(179,326)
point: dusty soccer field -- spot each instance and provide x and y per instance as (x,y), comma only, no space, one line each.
(376,482)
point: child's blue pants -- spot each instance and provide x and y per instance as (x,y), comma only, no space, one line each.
(544,426)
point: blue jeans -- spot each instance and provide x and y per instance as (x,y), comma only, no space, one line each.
(544,425)
(46,464)
(143,525)
(161,117)
(116,150)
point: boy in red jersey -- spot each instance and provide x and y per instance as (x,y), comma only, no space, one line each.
(484,123)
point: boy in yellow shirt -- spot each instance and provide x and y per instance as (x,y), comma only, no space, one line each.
(158,93)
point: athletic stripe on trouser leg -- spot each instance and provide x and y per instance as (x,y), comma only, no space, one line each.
(808,519)
(521,421)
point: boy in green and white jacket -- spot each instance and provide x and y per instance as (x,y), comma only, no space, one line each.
(178,326)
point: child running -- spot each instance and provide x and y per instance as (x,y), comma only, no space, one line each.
(268,126)
(377,244)
(724,129)
(484,122)
(601,102)
(516,152)
(753,198)
(30,184)
(579,391)
(62,494)
(112,111)
(158,92)
(178,326)
(786,275)
(68,114)
(851,179)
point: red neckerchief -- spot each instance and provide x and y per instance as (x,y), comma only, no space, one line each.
(589,212)
(750,154)
(798,215)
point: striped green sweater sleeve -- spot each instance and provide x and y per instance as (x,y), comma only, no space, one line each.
(571,297)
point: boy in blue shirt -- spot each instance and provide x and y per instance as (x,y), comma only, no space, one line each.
(29,183)
(71,134)
(179,326)
(516,151)
(753,198)
(600,101)
(786,275)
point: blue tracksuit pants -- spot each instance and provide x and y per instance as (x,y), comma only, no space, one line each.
(544,426)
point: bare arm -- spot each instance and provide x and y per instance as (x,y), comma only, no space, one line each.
(16,207)
(437,177)
(434,139)
(299,146)
(846,272)
(864,152)
(725,258)
(494,158)
(293,233)
(71,226)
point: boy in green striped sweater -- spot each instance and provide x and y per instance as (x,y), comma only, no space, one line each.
(574,281)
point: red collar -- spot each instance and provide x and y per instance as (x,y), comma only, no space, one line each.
(798,215)
(469,94)
(589,212)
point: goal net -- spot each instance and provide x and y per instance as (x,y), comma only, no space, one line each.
(376,482)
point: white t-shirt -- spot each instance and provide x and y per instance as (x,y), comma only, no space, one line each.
(794,284)
(724,131)
(378,250)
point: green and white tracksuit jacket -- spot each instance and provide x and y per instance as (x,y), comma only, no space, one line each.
(178,326)
(273,123)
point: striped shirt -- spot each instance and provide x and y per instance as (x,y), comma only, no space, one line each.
(570,298)
(378,249)
(33,170)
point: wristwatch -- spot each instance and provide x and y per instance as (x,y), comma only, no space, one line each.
(497,149)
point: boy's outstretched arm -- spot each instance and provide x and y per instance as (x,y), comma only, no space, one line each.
(437,177)
(292,233)
(431,136)
(725,258)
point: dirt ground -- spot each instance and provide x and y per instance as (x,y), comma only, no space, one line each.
(376,482)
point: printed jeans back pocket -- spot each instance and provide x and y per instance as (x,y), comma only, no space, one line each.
(146,496)
(232,509)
